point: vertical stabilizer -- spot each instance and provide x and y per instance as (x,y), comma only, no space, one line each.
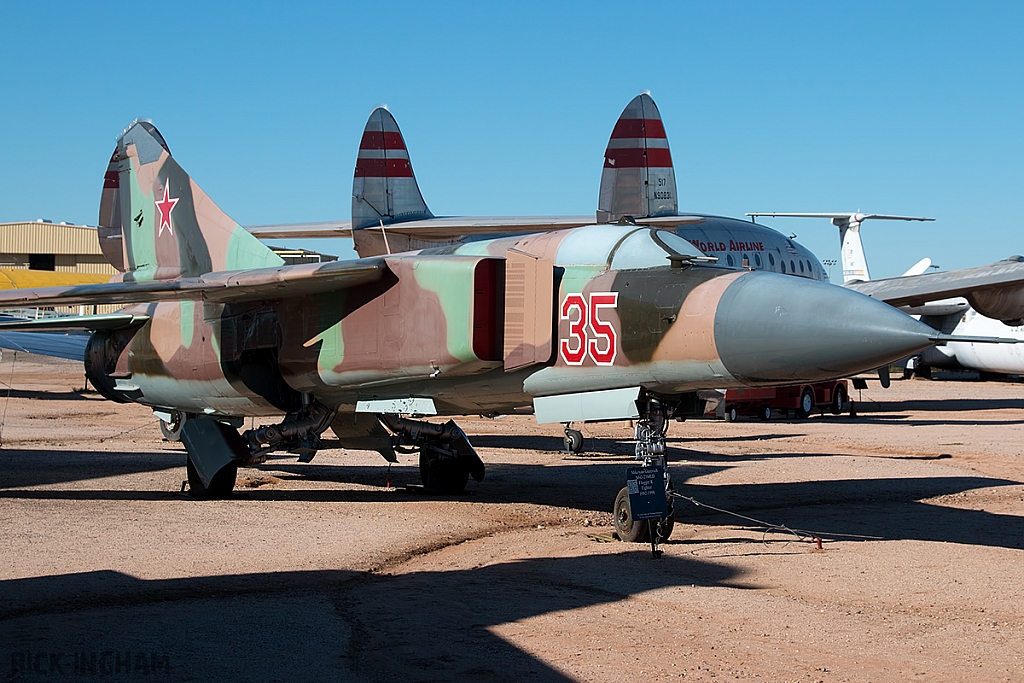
(855,263)
(384,189)
(638,179)
(110,231)
(170,228)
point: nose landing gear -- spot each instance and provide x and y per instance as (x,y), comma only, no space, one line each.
(651,429)
(573,440)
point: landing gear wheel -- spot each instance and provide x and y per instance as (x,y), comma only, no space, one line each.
(172,430)
(627,529)
(573,441)
(730,413)
(441,474)
(806,404)
(764,413)
(221,486)
(838,399)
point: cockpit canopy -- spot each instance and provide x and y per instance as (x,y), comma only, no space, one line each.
(623,247)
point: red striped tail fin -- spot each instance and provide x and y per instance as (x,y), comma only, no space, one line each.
(384,189)
(638,178)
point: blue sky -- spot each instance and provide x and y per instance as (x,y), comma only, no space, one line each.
(911,108)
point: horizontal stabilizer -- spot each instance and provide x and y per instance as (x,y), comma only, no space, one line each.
(327,229)
(848,216)
(70,346)
(108,321)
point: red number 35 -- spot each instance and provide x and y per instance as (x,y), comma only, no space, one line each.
(580,314)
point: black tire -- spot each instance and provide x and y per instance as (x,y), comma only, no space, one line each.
(667,525)
(221,486)
(172,430)
(573,441)
(443,475)
(838,399)
(806,404)
(628,530)
(730,413)
(764,413)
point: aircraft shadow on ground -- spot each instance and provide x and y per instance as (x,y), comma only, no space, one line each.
(21,467)
(552,444)
(732,439)
(421,626)
(903,420)
(952,405)
(38,395)
(887,509)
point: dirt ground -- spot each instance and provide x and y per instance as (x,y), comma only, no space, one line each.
(320,572)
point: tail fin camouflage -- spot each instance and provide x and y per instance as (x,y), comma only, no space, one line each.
(111,231)
(169,228)
(638,179)
(384,189)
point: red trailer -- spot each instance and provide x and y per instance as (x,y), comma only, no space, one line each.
(797,401)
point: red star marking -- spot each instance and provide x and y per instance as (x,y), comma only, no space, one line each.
(165,206)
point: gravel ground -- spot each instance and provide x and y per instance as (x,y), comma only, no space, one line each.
(320,572)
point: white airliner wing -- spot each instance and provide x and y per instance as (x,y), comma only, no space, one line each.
(454,226)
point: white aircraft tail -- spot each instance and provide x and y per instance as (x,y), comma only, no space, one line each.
(919,267)
(855,263)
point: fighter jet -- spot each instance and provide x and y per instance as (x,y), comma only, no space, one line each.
(597,322)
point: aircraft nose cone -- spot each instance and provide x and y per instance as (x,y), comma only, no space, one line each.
(777,329)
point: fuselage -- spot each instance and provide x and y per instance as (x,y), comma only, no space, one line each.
(998,358)
(740,243)
(487,326)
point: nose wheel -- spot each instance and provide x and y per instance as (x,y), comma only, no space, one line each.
(630,530)
(573,440)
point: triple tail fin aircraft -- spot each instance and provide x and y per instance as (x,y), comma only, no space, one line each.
(609,321)
(995,290)
(637,184)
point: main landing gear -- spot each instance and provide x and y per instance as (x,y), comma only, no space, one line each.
(216,449)
(651,429)
(447,459)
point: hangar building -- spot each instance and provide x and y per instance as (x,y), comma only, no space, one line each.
(42,245)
